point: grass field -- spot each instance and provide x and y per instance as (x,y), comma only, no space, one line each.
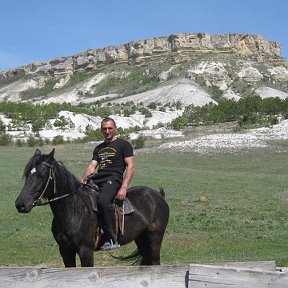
(242,218)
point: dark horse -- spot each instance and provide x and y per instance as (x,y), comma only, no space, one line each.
(76,224)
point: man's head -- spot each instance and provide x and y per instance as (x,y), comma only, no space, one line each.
(108,129)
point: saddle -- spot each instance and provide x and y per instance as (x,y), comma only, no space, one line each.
(122,208)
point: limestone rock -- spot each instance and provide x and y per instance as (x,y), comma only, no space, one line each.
(231,62)
(143,51)
(250,74)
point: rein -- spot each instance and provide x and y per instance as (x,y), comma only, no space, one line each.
(41,201)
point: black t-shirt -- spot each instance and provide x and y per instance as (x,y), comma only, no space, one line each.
(110,157)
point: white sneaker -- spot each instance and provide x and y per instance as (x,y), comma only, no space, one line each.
(109,245)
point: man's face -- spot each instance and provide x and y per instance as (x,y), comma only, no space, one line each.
(108,130)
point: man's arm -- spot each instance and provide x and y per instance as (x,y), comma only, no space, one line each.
(90,169)
(130,168)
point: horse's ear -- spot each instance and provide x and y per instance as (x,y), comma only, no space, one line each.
(51,154)
(37,152)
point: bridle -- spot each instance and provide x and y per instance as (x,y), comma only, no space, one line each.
(41,201)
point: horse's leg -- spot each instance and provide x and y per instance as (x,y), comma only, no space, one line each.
(68,256)
(144,249)
(86,256)
(155,241)
(149,246)
(67,251)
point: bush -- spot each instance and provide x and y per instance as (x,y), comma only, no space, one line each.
(57,140)
(145,112)
(38,123)
(62,122)
(126,112)
(19,143)
(5,140)
(93,135)
(273,120)
(123,133)
(179,122)
(31,142)
(139,142)
(152,105)
(2,126)
(216,92)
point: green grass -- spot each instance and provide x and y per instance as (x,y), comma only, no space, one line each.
(244,218)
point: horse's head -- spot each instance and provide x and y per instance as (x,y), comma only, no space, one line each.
(38,174)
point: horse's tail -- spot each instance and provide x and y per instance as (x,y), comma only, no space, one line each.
(135,255)
(162,192)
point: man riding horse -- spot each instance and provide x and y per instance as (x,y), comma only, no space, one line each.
(115,162)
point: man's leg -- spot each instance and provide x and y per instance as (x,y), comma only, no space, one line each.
(106,199)
(110,223)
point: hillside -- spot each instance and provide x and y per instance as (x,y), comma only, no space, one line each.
(178,70)
(235,63)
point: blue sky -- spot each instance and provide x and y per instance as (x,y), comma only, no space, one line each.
(35,30)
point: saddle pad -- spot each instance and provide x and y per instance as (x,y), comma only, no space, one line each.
(126,204)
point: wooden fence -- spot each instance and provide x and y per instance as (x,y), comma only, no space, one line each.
(236,275)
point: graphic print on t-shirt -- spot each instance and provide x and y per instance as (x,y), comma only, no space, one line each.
(105,156)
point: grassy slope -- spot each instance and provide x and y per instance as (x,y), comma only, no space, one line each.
(244,218)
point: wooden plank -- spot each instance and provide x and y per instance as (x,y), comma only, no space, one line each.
(247,274)
(209,276)
(253,265)
(126,277)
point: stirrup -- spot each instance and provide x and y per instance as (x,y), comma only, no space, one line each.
(109,245)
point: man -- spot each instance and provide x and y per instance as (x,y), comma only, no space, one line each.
(115,162)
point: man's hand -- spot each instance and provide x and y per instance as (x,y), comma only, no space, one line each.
(121,195)
(83,181)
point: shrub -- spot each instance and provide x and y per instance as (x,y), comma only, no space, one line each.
(31,141)
(57,140)
(216,92)
(2,126)
(62,122)
(145,112)
(126,112)
(37,124)
(139,142)
(178,105)
(5,139)
(93,135)
(273,120)
(19,143)
(179,122)
(152,105)
(124,133)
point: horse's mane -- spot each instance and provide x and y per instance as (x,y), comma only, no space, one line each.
(70,184)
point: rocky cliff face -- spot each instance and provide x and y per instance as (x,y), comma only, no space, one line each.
(236,64)
(177,48)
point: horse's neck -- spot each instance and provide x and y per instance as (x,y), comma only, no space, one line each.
(66,182)
(74,209)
